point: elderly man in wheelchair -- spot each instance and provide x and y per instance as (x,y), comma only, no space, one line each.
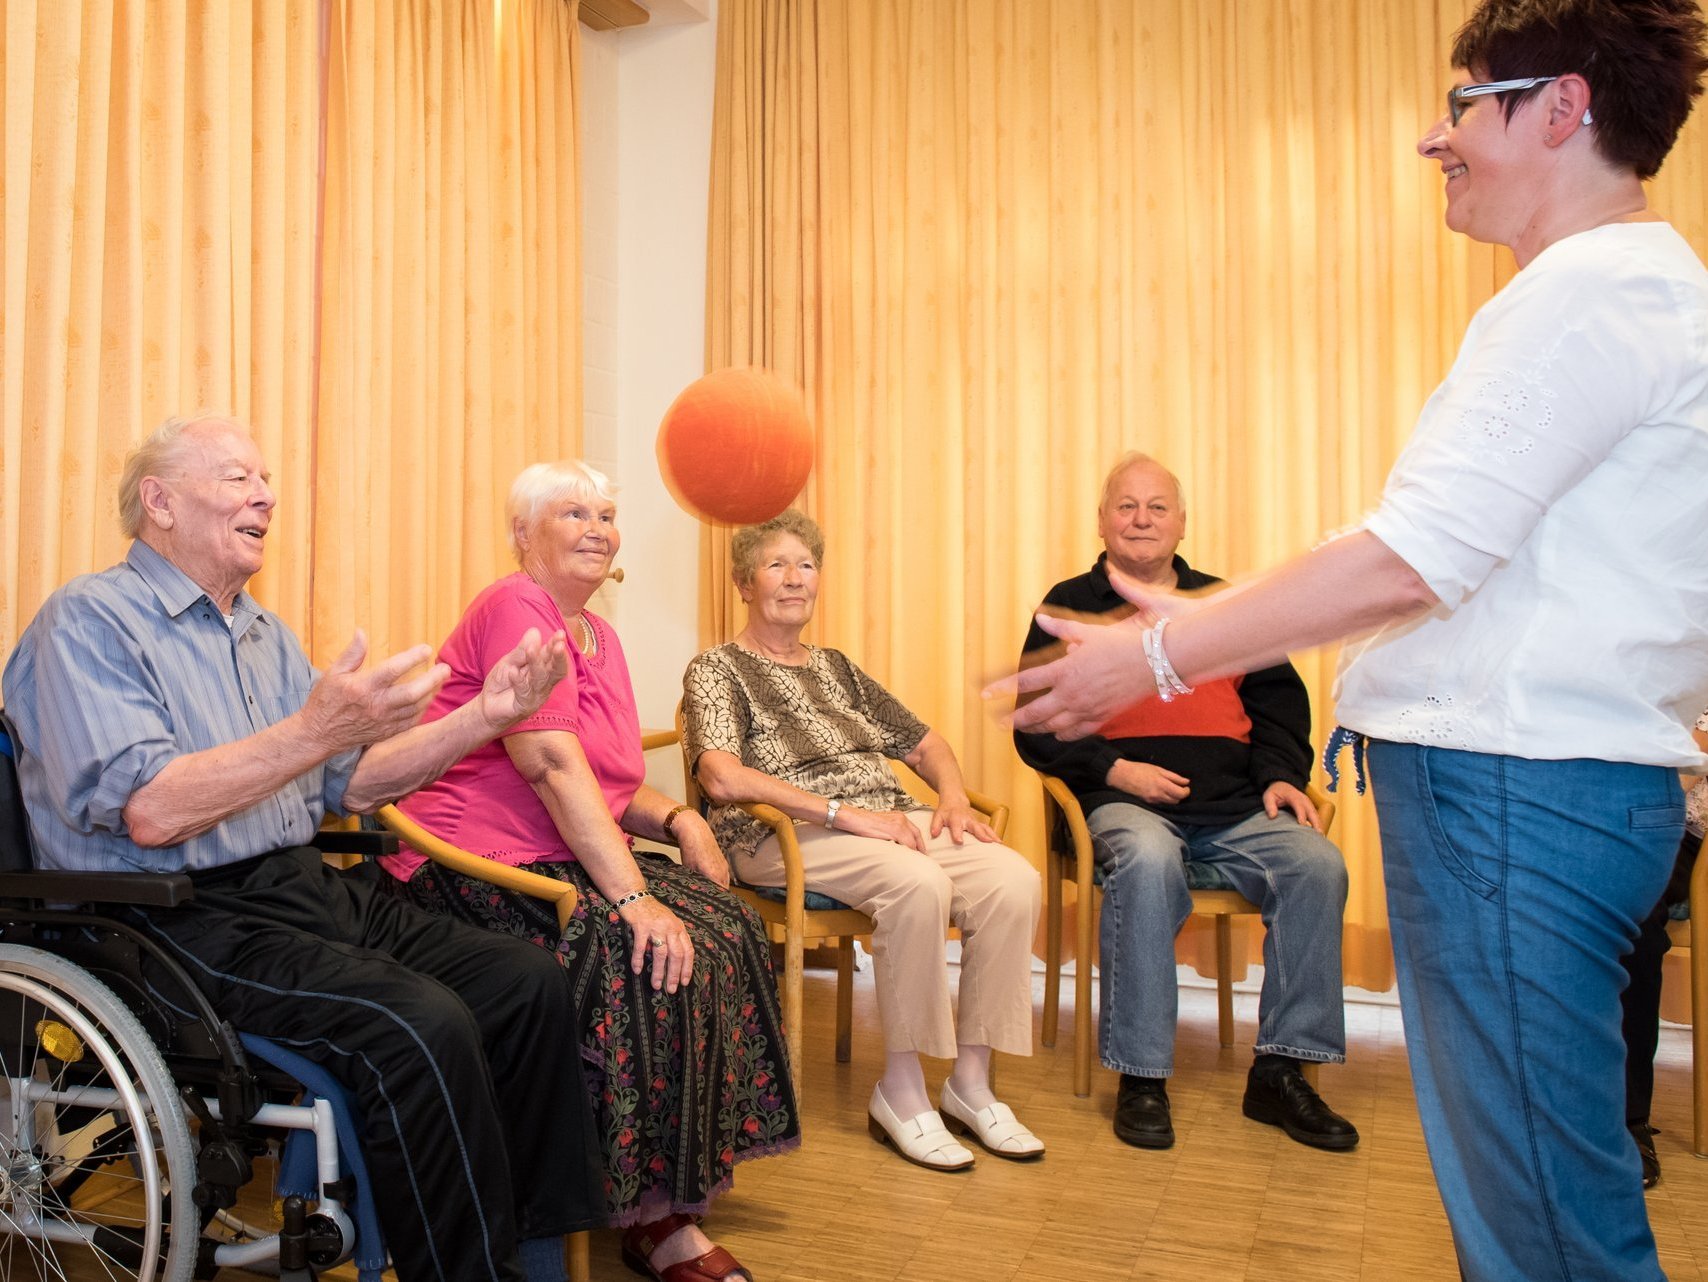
(175,754)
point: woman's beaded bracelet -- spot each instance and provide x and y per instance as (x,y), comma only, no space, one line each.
(633,897)
(1168,682)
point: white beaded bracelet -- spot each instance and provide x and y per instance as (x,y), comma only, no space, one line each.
(633,897)
(1168,682)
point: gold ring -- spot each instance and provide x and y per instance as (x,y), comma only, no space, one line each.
(659,941)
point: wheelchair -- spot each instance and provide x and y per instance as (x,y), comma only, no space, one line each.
(130,1113)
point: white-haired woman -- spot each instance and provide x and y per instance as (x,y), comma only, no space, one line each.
(681,1035)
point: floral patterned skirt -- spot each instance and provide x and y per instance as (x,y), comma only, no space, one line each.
(684,1085)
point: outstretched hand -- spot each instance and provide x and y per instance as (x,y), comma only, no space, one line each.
(1099,668)
(1155,603)
(349,708)
(519,683)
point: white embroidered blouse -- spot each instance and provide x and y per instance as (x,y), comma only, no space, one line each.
(1554,495)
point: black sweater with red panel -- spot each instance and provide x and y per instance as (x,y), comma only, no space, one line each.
(1230,738)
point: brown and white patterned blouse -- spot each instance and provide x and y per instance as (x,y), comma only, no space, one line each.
(824,726)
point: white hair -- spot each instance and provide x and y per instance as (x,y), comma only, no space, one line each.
(1134,458)
(545,483)
(158,456)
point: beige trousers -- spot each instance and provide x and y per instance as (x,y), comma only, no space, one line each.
(989,891)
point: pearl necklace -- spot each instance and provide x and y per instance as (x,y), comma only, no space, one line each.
(589,642)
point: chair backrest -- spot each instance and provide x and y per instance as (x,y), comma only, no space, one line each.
(15,850)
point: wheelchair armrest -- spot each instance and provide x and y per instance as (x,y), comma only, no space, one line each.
(354,841)
(153,890)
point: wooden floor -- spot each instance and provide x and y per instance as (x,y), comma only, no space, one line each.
(1232,1200)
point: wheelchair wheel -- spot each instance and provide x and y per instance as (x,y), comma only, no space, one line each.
(93,1139)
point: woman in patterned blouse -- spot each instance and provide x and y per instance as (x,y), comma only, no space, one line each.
(768,718)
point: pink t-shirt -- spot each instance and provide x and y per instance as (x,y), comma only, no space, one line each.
(482,803)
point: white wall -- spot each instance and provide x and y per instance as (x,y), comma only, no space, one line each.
(646,110)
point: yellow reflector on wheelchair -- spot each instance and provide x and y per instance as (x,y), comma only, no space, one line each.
(59,1041)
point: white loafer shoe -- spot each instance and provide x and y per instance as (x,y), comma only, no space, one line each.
(922,1140)
(995,1127)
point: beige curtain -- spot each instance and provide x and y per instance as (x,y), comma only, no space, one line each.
(999,242)
(158,201)
(160,204)
(451,302)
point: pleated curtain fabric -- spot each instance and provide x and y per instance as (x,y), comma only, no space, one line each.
(404,337)
(452,301)
(1000,242)
(159,206)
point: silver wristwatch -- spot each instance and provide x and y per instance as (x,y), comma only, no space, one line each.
(830,809)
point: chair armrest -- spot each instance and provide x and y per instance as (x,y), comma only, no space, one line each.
(560,894)
(1061,796)
(995,813)
(789,847)
(659,739)
(1324,804)
(149,889)
(1697,898)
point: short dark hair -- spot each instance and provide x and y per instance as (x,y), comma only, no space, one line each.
(1643,60)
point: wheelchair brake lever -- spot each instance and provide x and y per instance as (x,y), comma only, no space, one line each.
(222,1164)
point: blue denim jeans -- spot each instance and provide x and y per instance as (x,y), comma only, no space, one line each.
(1514,887)
(1292,872)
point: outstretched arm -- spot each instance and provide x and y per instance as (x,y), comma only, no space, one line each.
(347,709)
(1348,586)
(514,689)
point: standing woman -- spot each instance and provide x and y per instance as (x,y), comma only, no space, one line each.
(1535,586)
(681,1036)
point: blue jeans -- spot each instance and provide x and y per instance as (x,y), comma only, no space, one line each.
(1292,872)
(1514,887)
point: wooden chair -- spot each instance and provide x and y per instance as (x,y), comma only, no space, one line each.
(797,916)
(1067,846)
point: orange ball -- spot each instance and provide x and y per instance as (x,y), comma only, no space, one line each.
(735,447)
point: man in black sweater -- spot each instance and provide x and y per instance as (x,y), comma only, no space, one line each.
(1215,777)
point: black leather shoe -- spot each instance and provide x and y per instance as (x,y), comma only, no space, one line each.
(1280,1096)
(1141,1112)
(1645,1134)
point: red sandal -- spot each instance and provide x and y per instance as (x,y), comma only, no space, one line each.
(639,1243)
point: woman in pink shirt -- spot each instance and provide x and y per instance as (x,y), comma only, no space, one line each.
(682,1040)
